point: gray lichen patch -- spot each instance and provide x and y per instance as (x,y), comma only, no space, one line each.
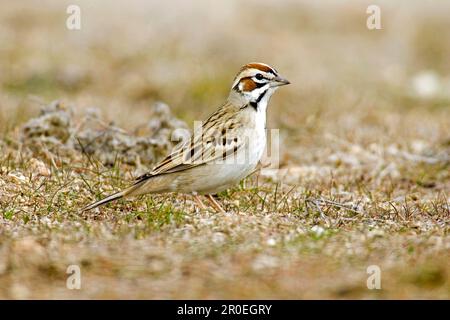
(56,131)
(52,129)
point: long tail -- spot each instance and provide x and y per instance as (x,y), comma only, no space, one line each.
(118,195)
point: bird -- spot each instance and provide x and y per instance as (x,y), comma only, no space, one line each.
(222,151)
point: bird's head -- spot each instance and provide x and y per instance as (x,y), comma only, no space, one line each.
(256,81)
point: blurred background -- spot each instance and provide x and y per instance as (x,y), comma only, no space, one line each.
(395,81)
(186,53)
(370,106)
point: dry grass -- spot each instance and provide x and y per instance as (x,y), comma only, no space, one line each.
(365,157)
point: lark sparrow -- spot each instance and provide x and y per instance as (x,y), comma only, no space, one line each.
(225,149)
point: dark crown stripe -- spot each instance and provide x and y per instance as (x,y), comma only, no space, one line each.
(259,66)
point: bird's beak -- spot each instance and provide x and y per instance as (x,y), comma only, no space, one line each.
(280,81)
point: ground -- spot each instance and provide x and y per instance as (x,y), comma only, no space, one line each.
(363,179)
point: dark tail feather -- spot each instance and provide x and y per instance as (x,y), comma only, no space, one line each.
(128,191)
(110,198)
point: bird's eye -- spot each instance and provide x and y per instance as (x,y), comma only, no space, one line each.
(259,76)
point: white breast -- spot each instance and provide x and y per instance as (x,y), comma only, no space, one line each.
(259,136)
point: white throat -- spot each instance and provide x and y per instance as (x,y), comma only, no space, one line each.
(261,106)
(264,101)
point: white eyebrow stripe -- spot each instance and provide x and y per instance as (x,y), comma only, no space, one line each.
(251,73)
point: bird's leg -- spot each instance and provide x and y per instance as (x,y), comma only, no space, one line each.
(199,202)
(215,204)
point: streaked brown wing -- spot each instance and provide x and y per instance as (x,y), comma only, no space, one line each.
(215,142)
